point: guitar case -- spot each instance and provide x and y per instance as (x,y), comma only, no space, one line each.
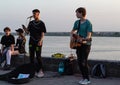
(12,77)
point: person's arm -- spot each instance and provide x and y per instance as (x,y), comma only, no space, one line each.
(24,41)
(42,34)
(89,30)
(12,42)
(12,47)
(73,31)
(75,27)
(89,35)
(2,43)
(41,40)
(16,43)
(88,38)
(2,48)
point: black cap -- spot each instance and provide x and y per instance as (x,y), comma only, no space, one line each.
(19,30)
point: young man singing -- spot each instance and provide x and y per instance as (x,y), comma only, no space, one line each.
(36,29)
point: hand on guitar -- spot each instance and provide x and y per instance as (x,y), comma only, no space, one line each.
(77,38)
(75,41)
(80,39)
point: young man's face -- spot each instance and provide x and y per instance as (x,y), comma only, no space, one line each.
(36,15)
(79,15)
(7,32)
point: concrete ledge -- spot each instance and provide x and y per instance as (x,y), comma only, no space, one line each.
(51,64)
(112,67)
(18,60)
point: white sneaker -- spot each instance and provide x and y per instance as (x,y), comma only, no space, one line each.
(85,81)
(36,73)
(3,64)
(40,75)
(81,81)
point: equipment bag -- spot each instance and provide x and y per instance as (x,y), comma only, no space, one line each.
(20,75)
(66,67)
(99,71)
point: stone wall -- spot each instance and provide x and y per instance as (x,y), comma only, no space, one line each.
(51,64)
(113,67)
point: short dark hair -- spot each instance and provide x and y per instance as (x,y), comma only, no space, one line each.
(36,10)
(81,10)
(7,29)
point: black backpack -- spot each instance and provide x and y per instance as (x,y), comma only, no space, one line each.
(99,71)
(69,67)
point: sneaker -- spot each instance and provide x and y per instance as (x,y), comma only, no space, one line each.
(3,64)
(7,67)
(36,73)
(39,75)
(85,81)
(81,81)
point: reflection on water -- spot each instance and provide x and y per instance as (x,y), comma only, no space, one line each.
(107,48)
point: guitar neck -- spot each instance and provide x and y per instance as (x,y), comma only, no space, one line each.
(84,39)
(81,38)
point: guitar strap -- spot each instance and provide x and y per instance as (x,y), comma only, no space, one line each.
(78,26)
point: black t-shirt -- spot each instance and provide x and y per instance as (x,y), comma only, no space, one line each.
(7,40)
(21,44)
(36,28)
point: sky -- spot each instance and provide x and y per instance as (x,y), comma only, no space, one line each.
(59,15)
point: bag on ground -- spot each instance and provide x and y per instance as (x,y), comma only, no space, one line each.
(69,66)
(61,68)
(20,75)
(99,71)
(66,67)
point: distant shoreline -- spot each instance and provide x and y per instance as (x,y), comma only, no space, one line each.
(96,34)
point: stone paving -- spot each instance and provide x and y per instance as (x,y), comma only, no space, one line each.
(52,78)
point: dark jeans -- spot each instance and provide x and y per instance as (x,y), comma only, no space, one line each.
(82,55)
(3,55)
(35,49)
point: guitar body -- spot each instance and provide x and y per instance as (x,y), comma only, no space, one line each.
(75,41)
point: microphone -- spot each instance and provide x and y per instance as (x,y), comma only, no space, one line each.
(29,17)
